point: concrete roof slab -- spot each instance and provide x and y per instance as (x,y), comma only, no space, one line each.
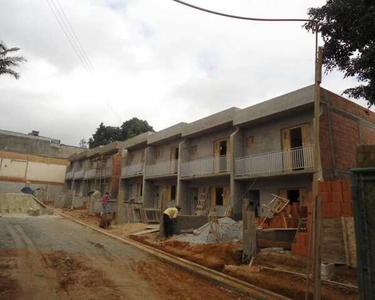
(166,134)
(217,120)
(276,105)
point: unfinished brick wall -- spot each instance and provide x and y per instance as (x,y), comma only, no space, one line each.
(344,125)
(336,203)
(116,173)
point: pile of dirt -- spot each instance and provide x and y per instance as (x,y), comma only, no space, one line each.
(214,256)
(191,287)
(73,272)
(289,285)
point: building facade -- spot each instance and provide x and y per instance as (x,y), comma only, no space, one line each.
(263,150)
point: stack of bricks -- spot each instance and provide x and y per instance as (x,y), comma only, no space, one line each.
(336,203)
(336,199)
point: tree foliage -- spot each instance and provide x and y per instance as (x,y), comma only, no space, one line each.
(348,30)
(108,134)
(7,63)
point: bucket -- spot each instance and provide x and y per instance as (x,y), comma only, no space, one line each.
(327,270)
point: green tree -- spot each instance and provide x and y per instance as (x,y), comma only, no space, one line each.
(134,127)
(7,63)
(104,135)
(348,31)
(108,134)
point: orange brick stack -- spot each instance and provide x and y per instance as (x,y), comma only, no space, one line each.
(336,201)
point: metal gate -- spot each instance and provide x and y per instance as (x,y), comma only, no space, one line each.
(363,192)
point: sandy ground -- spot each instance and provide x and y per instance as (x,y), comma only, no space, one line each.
(226,257)
(48,257)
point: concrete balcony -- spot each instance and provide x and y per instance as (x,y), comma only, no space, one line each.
(107,172)
(132,170)
(297,159)
(167,168)
(79,174)
(89,174)
(69,175)
(205,166)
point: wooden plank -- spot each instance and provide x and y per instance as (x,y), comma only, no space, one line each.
(349,241)
(332,246)
(145,232)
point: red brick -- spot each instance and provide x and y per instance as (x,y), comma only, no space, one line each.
(347,197)
(336,186)
(337,197)
(296,249)
(345,184)
(322,187)
(346,209)
(328,186)
(336,210)
(304,250)
(327,210)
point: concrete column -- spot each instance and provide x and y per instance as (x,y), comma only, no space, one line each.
(237,189)
(183,186)
(148,184)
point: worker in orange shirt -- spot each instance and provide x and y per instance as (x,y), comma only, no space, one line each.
(169,217)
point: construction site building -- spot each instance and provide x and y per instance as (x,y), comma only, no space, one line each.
(34,161)
(256,152)
(94,169)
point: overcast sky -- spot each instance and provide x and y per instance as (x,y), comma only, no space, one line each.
(153,59)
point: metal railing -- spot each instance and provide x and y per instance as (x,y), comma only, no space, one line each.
(165,168)
(282,161)
(132,170)
(89,174)
(78,174)
(205,166)
(69,175)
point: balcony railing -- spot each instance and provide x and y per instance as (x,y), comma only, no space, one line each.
(160,169)
(89,174)
(205,166)
(69,175)
(283,161)
(132,170)
(78,174)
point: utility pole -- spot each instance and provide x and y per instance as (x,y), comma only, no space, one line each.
(317,201)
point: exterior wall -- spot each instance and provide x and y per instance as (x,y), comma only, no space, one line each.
(267,135)
(18,167)
(268,186)
(205,143)
(344,126)
(23,143)
(165,150)
(134,157)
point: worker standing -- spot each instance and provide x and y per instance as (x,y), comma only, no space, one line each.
(105,202)
(169,217)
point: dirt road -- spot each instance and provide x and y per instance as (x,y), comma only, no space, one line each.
(48,257)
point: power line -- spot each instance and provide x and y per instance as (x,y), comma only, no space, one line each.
(76,45)
(241,17)
(76,37)
(67,36)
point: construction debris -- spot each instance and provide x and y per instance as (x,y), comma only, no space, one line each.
(219,230)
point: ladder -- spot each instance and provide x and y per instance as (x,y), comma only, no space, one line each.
(276,206)
(201,202)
